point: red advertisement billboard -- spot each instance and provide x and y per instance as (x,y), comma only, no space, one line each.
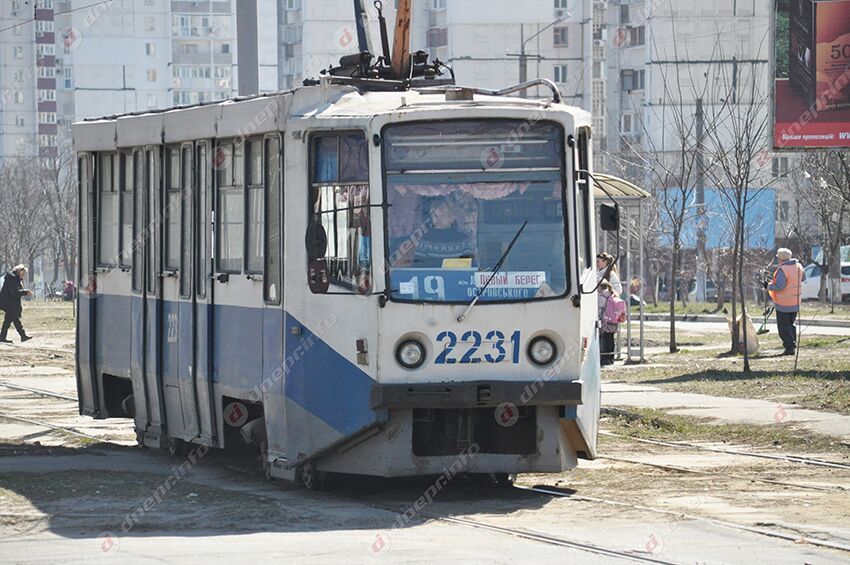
(812,74)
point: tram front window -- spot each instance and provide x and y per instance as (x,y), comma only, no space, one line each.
(459,192)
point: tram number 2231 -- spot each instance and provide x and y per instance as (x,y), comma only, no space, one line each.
(491,347)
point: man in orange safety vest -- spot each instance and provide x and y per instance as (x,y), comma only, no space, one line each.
(785,290)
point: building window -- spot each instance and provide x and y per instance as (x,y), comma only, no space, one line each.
(152,101)
(19,97)
(150,23)
(597,69)
(561,74)
(627,124)
(339,203)
(228,163)
(637,36)
(254,261)
(150,2)
(562,37)
(784,211)
(438,37)
(69,79)
(150,49)
(780,166)
(18,52)
(632,79)
(43,26)
(624,13)
(438,4)
(107,178)
(225,48)
(562,4)
(19,121)
(151,75)
(47,72)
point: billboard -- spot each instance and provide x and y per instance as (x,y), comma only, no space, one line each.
(812,74)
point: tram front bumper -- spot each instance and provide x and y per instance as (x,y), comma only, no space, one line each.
(476,394)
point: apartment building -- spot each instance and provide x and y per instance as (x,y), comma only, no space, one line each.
(64,60)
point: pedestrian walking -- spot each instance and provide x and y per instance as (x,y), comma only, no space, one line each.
(784,290)
(10,302)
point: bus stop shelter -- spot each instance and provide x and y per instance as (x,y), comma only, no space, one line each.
(630,199)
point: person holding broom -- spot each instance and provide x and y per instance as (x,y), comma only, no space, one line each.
(784,290)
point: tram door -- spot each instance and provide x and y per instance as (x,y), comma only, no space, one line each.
(152,307)
(176,334)
(201,259)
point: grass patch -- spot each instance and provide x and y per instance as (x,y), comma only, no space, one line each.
(649,423)
(48,316)
(822,381)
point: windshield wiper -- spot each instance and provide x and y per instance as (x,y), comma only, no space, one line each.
(493,272)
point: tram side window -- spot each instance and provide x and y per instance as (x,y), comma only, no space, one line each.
(172,211)
(255,216)
(84,173)
(126,192)
(584,164)
(273,272)
(229,162)
(202,227)
(339,201)
(139,230)
(107,175)
(186,223)
(153,241)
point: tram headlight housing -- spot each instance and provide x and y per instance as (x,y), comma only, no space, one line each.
(542,351)
(410,354)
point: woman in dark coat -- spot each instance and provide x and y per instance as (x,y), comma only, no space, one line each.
(10,302)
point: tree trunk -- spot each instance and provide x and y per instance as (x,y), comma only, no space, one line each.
(674,268)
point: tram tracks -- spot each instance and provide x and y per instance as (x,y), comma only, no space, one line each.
(797,459)
(679,516)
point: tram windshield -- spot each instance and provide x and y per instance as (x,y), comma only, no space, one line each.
(459,192)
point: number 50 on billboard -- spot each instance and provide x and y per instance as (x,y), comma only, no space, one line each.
(812,74)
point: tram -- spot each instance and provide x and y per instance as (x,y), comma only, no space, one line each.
(361,275)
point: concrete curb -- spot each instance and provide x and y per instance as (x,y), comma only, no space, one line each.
(722,320)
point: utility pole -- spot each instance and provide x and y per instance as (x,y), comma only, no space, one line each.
(523,55)
(700,190)
(523,59)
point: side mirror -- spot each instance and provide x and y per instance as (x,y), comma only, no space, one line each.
(609,217)
(316,241)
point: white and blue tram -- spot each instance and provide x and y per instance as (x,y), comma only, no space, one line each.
(366,282)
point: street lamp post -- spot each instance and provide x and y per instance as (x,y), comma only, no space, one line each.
(523,55)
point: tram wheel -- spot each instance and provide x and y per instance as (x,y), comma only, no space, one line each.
(504,479)
(312,478)
(178,447)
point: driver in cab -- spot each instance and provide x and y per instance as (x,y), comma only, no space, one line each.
(443,240)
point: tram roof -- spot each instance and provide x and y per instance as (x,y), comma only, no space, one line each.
(266,112)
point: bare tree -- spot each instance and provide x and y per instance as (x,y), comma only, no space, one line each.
(738,139)
(57,180)
(23,229)
(819,189)
(672,163)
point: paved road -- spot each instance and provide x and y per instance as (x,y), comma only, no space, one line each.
(720,327)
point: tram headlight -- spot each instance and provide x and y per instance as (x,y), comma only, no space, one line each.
(542,351)
(410,354)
